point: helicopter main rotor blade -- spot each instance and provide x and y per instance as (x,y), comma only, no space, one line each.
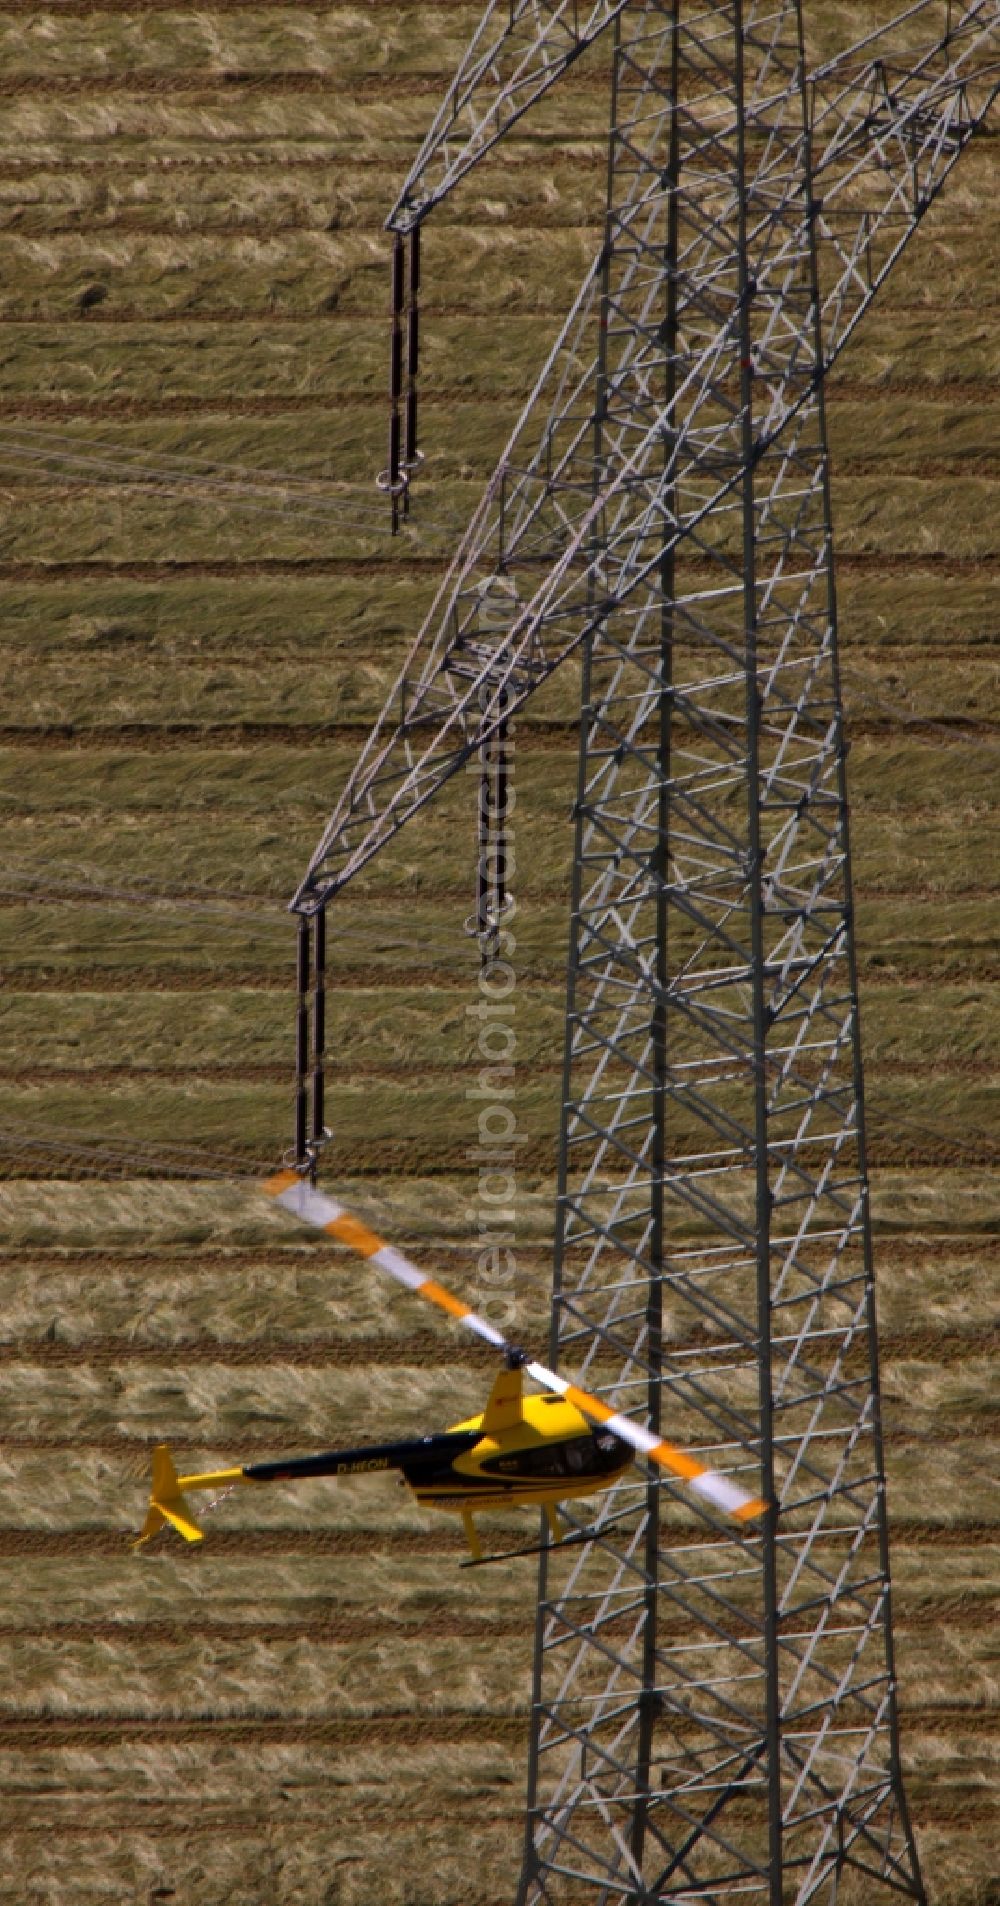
(298,1196)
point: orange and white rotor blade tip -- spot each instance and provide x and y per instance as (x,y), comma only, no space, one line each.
(721,1491)
(298,1196)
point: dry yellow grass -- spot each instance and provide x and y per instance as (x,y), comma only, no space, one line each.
(225,240)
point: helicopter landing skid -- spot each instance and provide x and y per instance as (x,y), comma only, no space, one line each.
(574,1539)
(536,1548)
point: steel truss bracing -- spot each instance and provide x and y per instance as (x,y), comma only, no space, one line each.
(714,1713)
(714,1705)
(545,557)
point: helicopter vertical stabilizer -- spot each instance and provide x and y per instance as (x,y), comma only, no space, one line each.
(504,1406)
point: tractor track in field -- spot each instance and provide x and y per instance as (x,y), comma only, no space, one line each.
(220,84)
(235,737)
(134,1452)
(449,1726)
(260,1830)
(445,1543)
(333,1353)
(280,568)
(973,1614)
(38,1157)
(45,486)
(383,1073)
(224,82)
(274,908)
(858,654)
(151,979)
(113,9)
(324,1353)
(121,407)
(310,219)
(236,1259)
(129,222)
(267,154)
(331,1629)
(238,1824)
(53,1162)
(446,1727)
(344,313)
(48,1161)
(306,737)
(124,409)
(260,1825)
(875,563)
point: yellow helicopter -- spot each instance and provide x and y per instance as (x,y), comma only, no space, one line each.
(522,1450)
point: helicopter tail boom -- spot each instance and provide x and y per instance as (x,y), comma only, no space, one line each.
(423,1461)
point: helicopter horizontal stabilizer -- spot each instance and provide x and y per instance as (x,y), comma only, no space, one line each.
(179,1516)
(166,1502)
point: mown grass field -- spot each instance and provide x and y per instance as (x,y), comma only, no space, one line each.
(319,1709)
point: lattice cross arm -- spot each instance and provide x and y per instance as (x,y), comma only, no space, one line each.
(519,50)
(546,559)
(888,123)
(522,47)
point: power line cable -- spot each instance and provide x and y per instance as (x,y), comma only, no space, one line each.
(973,1144)
(103,1154)
(283,495)
(52,880)
(908,717)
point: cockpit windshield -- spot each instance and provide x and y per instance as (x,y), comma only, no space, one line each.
(599,1454)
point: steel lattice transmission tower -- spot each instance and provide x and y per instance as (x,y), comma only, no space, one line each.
(714,1708)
